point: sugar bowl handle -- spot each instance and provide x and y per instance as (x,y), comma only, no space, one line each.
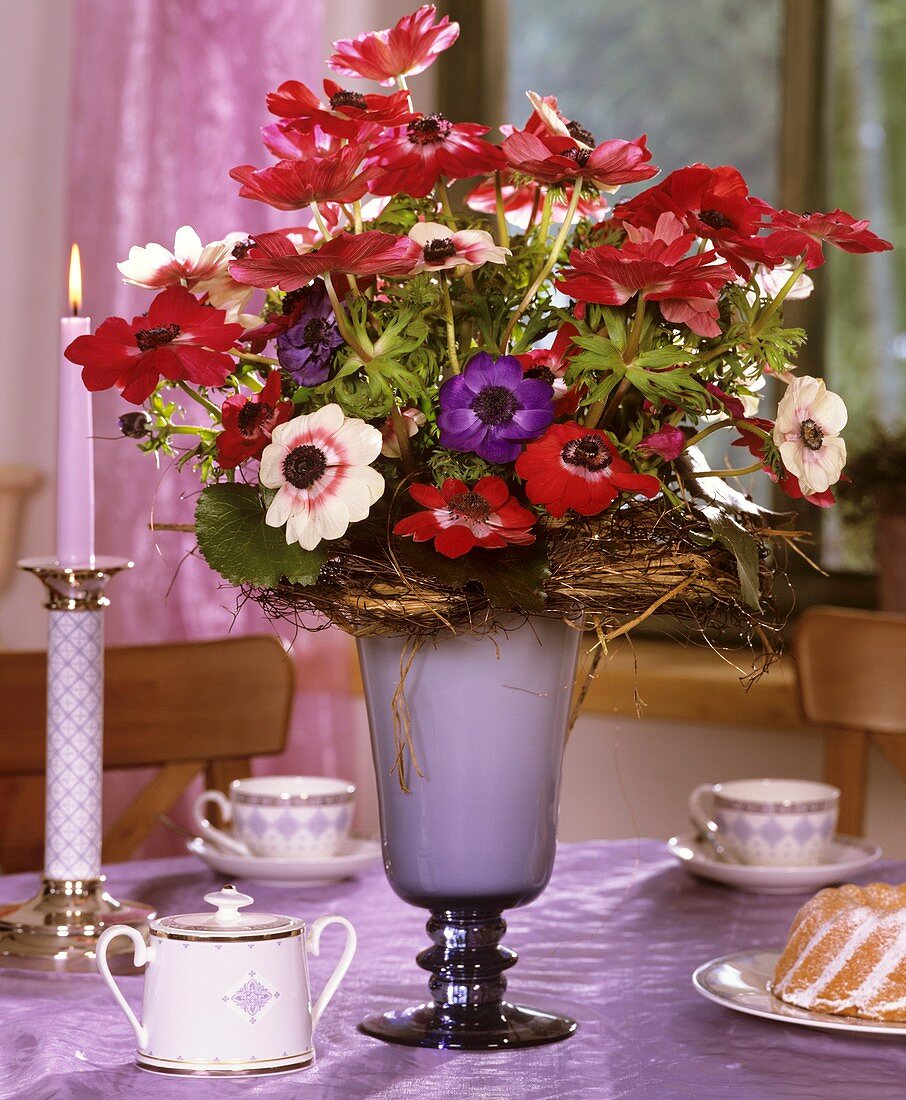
(139,958)
(314,938)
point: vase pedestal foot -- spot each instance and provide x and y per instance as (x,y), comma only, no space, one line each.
(467,964)
(506,1027)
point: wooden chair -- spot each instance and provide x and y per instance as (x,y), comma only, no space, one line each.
(852,681)
(185,707)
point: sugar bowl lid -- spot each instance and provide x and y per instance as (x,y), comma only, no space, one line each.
(227,922)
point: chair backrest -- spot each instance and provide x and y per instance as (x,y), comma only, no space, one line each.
(852,669)
(183,707)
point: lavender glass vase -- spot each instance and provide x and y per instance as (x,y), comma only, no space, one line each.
(476,832)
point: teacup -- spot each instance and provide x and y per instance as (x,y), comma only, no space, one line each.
(767,822)
(280,816)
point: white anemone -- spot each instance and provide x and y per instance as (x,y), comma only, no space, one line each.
(320,465)
(806,431)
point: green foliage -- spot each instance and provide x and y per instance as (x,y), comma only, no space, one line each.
(236,542)
(731,534)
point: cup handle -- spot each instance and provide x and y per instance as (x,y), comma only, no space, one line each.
(701,808)
(314,938)
(224,840)
(139,958)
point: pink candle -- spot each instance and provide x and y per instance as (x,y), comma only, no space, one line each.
(75,447)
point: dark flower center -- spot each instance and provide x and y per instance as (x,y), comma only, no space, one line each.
(544,373)
(251,417)
(495,405)
(135,425)
(316,332)
(580,156)
(811,435)
(150,338)
(430,130)
(438,250)
(291,300)
(470,505)
(715,219)
(580,133)
(304,465)
(242,248)
(590,452)
(342,98)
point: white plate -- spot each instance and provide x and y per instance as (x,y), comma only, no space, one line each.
(846,857)
(354,856)
(741,982)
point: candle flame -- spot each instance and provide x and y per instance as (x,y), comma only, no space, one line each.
(75,280)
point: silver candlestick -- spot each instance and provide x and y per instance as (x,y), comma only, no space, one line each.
(58,929)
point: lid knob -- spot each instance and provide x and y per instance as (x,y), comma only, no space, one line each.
(227,902)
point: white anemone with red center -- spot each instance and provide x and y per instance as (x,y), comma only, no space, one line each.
(320,465)
(442,248)
(189,264)
(806,431)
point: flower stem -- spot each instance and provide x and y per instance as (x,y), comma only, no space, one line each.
(343,322)
(730,422)
(547,210)
(188,429)
(450,325)
(635,333)
(322,225)
(444,196)
(401,430)
(772,308)
(203,401)
(548,266)
(357,216)
(533,213)
(248,357)
(404,87)
(502,231)
(732,472)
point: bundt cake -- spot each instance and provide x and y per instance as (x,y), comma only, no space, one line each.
(846,953)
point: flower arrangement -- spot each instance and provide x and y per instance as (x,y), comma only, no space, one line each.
(497,407)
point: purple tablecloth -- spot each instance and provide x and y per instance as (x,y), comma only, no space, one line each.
(613,942)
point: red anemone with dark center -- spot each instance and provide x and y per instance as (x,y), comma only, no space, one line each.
(412,158)
(550,365)
(687,287)
(344,113)
(551,159)
(249,421)
(571,468)
(459,519)
(292,184)
(795,235)
(274,262)
(179,339)
(712,203)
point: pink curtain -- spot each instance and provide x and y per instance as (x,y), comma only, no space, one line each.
(167,97)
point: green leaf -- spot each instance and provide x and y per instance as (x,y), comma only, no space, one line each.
(668,356)
(511,579)
(236,542)
(742,546)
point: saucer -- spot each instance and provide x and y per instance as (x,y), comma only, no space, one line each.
(846,857)
(741,981)
(354,856)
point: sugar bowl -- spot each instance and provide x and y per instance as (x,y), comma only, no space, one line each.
(227,993)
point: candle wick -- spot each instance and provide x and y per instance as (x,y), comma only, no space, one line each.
(75,310)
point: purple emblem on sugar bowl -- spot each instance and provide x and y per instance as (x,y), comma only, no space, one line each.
(767,822)
(280,817)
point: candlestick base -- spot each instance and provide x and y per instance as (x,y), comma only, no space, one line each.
(58,929)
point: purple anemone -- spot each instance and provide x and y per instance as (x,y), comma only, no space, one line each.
(491,409)
(305,349)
